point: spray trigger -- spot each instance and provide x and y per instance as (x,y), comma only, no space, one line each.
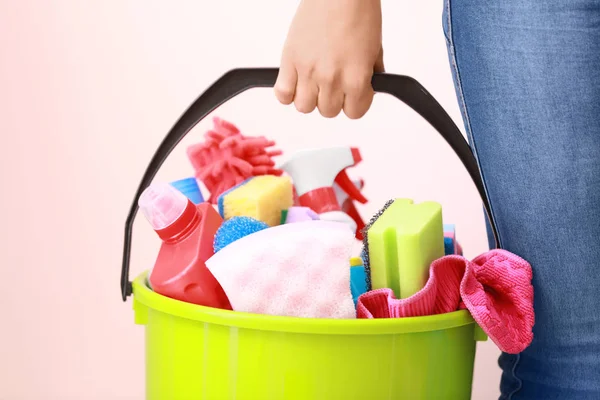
(344,182)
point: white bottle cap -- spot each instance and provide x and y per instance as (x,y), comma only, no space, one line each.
(162,204)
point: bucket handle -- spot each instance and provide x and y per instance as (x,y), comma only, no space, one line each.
(234,82)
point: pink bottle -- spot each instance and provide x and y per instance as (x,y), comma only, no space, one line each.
(187,232)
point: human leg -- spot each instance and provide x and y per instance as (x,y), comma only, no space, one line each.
(527,75)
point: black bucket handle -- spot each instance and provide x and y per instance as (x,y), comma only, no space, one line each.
(234,82)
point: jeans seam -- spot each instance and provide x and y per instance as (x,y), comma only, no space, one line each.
(514,374)
(463,105)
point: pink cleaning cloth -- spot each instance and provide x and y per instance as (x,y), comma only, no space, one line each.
(495,287)
(295,270)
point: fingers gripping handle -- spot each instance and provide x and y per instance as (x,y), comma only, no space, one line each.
(237,81)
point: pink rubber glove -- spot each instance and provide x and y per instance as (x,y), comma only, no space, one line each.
(331,51)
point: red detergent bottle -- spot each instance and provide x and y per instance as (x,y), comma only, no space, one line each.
(187,232)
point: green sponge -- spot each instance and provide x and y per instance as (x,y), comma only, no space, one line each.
(402,243)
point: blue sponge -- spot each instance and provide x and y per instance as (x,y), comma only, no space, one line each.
(236,228)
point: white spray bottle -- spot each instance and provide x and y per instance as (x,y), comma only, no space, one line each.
(314,173)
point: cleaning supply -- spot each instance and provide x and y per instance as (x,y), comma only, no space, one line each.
(402,240)
(299,214)
(201,352)
(364,256)
(356,262)
(284,214)
(227,158)
(495,287)
(358,279)
(296,270)
(260,197)
(315,171)
(236,228)
(347,204)
(189,187)
(451,246)
(187,232)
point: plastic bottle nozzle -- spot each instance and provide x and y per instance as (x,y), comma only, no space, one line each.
(162,205)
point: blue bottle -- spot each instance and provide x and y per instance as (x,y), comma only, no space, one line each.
(189,187)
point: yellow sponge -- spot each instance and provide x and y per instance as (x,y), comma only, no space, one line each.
(261,197)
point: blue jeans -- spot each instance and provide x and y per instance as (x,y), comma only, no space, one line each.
(527,77)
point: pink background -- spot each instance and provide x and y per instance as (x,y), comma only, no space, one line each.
(87,92)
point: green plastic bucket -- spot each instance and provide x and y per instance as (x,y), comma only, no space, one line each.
(195,352)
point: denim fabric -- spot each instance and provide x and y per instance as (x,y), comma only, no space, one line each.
(527,75)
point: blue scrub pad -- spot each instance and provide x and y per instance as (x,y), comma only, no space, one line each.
(236,228)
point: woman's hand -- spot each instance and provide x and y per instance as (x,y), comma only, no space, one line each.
(331,51)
